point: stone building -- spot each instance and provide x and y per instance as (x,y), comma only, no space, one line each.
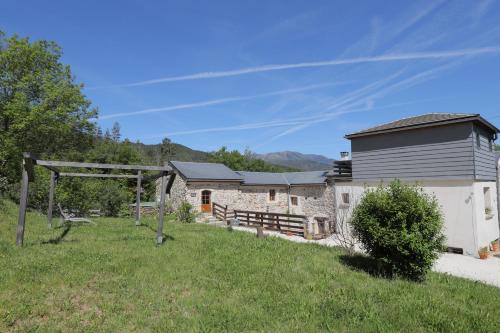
(303,193)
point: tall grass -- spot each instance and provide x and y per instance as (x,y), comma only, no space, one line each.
(112,277)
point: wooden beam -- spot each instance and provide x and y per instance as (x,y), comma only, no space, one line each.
(95,175)
(51,168)
(23,204)
(159,233)
(147,178)
(101,165)
(138,200)
(28,163)
(51,198)
(171,179)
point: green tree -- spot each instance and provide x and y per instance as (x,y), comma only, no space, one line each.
(166,150)
(244,162)
(42,109)
(115,132)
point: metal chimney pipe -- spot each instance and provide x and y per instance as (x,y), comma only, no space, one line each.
(344,155)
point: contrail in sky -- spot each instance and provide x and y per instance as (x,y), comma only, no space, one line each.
(220,101)
(337,62)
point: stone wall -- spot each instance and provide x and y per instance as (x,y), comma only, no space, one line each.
(257,198)
(178,193)
(314,201)
(221,193)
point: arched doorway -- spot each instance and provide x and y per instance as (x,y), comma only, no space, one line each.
(206,202)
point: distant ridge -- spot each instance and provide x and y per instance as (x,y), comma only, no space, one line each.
(307,162)
(290,159)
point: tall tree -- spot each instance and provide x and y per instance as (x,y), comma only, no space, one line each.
(115,132)
(166,150)
(42,109)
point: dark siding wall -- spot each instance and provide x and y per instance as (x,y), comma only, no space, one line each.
(484,158)
(441,152)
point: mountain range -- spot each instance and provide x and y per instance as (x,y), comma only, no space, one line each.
(291,159)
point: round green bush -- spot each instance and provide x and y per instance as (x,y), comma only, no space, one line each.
(184,213)
(400,225)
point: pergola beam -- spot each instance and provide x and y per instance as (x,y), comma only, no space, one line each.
(29,161)
(101,165)
(95,175)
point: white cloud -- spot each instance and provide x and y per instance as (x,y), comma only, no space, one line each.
(350,61)
(219,101)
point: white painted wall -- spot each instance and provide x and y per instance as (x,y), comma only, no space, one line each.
(462,206)
(487,226)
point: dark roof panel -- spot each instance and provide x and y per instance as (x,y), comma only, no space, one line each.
(262,178)
(285,178)
(205,171)
(429,119)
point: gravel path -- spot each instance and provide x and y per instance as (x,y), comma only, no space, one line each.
(487,271)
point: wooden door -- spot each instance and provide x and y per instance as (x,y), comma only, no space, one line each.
(206,202)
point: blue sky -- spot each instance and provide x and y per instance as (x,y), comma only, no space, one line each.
(271,75)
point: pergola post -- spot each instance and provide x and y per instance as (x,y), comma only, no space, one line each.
(23,204)
(159,233)
(29,161)
(138,199)
(51,198)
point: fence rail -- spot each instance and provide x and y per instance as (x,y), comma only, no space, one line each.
(221,212)
(285,223)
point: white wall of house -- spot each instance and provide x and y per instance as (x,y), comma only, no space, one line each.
(486,212)
(462,204)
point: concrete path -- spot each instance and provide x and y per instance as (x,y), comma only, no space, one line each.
(487,271)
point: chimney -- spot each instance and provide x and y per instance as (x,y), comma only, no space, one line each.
(344,156)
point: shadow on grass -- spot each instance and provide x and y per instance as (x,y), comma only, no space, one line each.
(165,236)
(367,264)
(60,238)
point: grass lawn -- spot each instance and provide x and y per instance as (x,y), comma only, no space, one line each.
(112,277)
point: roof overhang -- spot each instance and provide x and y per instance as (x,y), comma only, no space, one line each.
(203,180)
(475,117)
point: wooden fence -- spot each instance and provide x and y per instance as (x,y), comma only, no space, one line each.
(284,223)
(221,212)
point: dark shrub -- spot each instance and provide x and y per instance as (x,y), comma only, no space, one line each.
(184,213)
(401,226)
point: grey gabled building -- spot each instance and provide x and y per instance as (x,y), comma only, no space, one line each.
(450,155)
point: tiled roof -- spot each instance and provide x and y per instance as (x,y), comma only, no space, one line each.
(429,119)
(205,171)
(218,172)
(286,178)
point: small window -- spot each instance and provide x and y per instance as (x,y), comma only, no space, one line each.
(295,201)
(478,140)
(345,198)
(272,195)
(205,197)
(487,202)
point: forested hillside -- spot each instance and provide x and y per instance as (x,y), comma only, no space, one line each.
(44,111)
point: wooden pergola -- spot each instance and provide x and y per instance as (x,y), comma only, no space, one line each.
(30,161)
